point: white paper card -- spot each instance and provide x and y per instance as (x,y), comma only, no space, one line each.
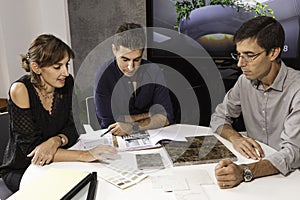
(194,176)
(169,183)
(198,194)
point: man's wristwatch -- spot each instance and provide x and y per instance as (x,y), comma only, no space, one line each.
(247,173)
(135,128)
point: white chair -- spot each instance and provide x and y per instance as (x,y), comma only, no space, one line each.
(92,118)
(4,134)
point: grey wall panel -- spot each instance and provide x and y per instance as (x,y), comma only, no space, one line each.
(93,21)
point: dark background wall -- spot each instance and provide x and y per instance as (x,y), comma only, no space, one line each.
(93,21)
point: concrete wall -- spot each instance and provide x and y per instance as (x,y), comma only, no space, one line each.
(91,22)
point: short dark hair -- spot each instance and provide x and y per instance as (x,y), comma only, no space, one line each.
(267,31)
(130,35)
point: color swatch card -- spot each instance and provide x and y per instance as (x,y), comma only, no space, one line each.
(121,174)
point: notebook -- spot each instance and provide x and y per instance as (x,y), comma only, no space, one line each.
(60,181)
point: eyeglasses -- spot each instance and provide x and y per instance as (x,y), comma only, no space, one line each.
(246,57)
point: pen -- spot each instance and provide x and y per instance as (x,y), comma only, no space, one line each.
(105,133)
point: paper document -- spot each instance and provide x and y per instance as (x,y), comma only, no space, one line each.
(136,141)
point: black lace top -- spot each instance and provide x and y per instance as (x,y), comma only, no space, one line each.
(31,126)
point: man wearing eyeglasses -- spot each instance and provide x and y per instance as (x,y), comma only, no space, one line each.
(268,95)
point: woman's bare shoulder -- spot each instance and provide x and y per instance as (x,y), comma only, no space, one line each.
(19,95)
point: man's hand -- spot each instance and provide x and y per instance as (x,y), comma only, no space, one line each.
(120,128)
(228,174)
(248,147)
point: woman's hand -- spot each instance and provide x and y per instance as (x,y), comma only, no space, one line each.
(99,152)
(44,153)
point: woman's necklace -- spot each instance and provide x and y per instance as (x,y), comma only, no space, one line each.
(46,96)
(46,100)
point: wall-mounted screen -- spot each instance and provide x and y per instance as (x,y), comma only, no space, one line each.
(213,26)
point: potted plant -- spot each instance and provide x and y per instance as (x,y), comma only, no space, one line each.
(185,7)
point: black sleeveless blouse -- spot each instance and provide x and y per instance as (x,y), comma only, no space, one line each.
(31,126)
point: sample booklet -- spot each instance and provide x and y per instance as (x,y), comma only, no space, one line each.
(137,141)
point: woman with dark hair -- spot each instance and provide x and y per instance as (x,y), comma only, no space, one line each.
(40,108)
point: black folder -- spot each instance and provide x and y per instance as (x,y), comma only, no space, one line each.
(90,178)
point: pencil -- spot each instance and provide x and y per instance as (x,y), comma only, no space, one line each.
(105,133)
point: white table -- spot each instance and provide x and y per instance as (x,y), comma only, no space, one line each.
(272,187)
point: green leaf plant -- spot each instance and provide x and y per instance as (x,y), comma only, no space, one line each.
(185,7)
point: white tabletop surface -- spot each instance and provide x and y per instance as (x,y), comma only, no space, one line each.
(272,187)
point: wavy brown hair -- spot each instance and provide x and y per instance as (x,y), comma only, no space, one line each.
(45,50)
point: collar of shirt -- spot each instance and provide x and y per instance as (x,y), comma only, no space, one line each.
(278,82)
